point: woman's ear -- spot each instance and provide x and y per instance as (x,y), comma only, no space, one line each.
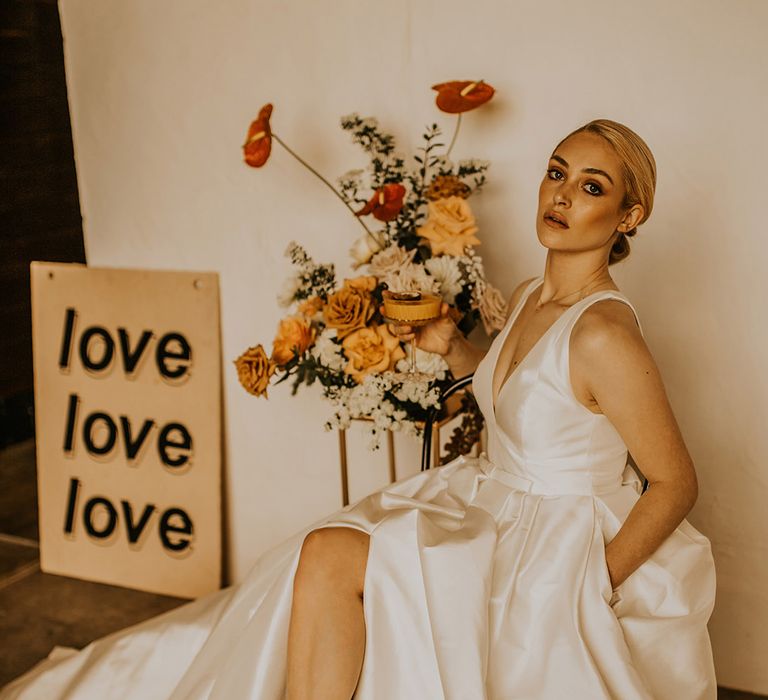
(631,218)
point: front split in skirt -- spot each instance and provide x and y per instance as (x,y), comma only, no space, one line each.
(473,590)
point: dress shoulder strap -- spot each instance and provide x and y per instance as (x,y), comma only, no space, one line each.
(580,307)
(534,284)
(562,342)
(530,287)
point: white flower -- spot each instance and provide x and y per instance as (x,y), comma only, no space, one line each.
(410,428)
(288,293)
(417,391)
(369,400)
(352,177)
(472,266)
(493,308)
(362,250)
(427,362)
(329,353)
(365,398)
(445,269)
(475,163)
(390,260)
(412,278)
(394,265)
(444,164)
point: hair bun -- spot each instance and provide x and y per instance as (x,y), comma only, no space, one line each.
(620,247)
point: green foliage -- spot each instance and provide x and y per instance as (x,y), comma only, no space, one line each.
(314,279)
(385,166)
(412,213)
(307,370)
(467,435)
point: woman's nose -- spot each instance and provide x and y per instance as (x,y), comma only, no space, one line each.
(561,196)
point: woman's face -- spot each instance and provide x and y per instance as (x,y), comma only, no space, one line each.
(580,196)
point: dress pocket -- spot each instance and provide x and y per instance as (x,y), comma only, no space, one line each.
(612,596)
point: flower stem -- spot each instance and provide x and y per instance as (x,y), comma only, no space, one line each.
(330,186)
(455,134)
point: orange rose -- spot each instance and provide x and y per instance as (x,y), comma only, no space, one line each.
(371,350)
(294,335)
(254,370)
(450,227)
(351,307)
(309,308)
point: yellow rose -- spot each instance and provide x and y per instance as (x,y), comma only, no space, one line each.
(294,335)
(450,227)
(254,370)
(371,350)
(365,283)
(351,307)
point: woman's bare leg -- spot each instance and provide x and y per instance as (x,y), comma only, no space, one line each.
(326,636)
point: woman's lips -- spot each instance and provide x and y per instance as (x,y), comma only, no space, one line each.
(553,223)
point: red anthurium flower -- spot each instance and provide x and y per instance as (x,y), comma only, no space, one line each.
(386,203)
(258,144)
(462,95)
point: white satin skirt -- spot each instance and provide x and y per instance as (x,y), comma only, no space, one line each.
(474,590)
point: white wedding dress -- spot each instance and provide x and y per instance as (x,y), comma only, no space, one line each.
(486,578)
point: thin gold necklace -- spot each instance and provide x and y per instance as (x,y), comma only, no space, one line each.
(539,304)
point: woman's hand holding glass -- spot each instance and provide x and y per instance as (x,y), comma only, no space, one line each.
(435,336)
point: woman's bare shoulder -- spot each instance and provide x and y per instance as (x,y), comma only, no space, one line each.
(517,294)
(607,327)
(608,355)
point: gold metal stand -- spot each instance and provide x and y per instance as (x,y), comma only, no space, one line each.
(453,407)
(343,461)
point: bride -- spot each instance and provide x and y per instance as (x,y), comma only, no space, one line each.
(537,572)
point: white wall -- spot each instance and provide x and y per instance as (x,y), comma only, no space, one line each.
(161,95)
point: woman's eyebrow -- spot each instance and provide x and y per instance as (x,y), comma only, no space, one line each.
(597,171)
(592,171)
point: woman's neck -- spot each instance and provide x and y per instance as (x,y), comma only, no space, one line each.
(569,278)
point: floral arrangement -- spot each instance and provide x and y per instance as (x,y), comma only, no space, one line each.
(424,239)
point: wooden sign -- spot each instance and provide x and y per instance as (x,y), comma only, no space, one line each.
(128,426)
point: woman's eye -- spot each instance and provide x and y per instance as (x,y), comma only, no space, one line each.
(554,174)
(593,188)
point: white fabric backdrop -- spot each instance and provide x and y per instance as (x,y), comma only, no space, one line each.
(161,95)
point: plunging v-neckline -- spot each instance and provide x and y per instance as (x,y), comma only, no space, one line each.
(533,348)
(505,333)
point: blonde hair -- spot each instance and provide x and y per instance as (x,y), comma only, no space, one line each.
(638,171)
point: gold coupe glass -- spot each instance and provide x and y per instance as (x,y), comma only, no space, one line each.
(411,309)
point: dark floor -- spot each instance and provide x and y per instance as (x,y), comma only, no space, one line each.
(39,611)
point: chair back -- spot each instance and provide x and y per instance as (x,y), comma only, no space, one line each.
(426,446)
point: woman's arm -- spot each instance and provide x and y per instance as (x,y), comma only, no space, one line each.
(621,375)
(444,338)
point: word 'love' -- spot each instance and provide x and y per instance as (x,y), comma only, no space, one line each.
(96,350)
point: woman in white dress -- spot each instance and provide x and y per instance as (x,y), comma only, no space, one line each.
(538,572)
